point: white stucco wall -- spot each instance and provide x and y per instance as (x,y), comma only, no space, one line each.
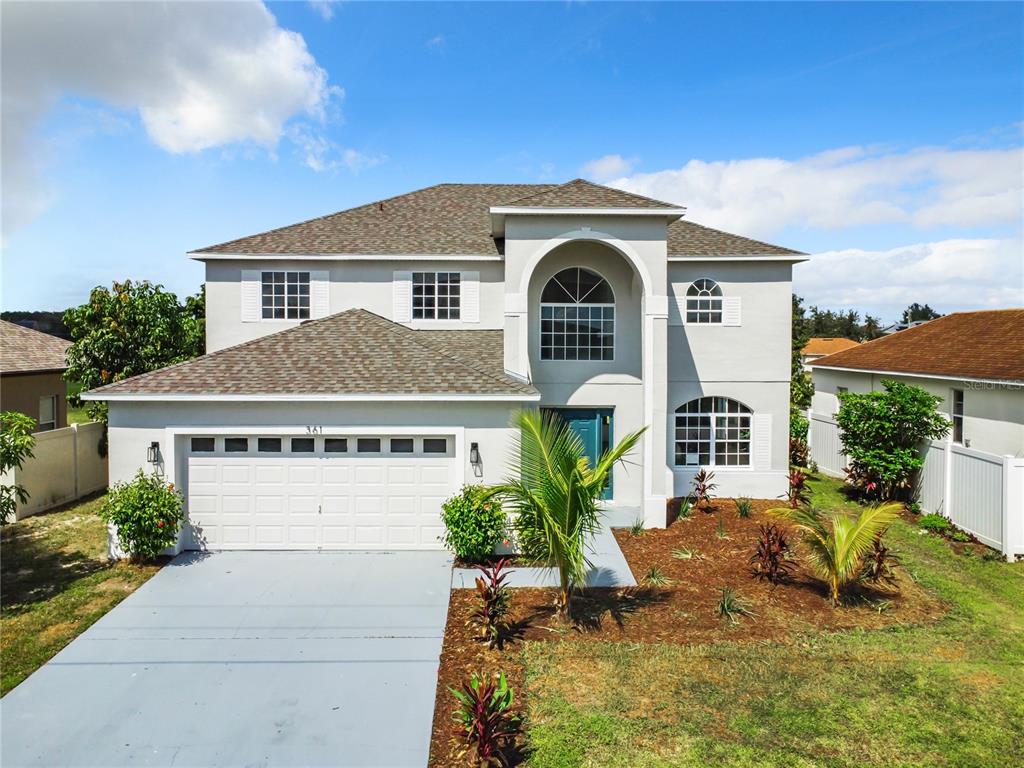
(993,413)
(354,284)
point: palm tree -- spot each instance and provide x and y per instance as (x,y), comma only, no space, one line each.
(838,543)
(555,493)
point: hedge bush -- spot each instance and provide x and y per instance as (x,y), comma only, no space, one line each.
(147,513)
(474,524)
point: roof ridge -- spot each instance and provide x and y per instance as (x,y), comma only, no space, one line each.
(592,184)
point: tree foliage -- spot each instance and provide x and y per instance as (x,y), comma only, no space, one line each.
(883,434)
(916,312)
(16,443)
(146,512)
(817,322)
(131,328)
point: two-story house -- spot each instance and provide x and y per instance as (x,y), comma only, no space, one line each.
(363,365)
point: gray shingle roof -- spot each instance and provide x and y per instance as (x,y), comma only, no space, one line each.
(23,350)
(352,352)
(454,219)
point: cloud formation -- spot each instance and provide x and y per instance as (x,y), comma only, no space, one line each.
(199,75)
(608,167)
(844,187)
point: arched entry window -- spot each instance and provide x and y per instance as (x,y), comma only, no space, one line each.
(704,302)
(713,432)
(577,317)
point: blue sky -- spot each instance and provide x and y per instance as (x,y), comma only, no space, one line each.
(884,138)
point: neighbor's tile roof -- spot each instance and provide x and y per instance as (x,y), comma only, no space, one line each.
(23,350)
(826,345)
(454,219)
(352,352)
(974,345)
(580,193)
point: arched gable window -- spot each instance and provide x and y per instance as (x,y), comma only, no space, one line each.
(713,432)
(704,302)
(577,317)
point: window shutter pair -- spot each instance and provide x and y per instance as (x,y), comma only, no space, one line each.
(252,296)
(469,292)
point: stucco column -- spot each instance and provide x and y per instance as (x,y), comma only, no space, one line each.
(655,372)
(516,335)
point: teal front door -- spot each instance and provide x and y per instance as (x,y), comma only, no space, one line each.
(594,426)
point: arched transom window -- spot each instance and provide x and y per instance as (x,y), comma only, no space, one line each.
(713,432)
(704,302)
(577,317)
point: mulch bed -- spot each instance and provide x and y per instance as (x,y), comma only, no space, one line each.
(681,611)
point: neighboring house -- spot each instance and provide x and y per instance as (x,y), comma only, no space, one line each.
(819,346)
(361,366)
(32,366)
(902,325)
(974,361)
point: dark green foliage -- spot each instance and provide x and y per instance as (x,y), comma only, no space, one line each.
(490,615)
(146,512)
(16,443)
(916,312)
(131,328)
(731,607)
(482,718)
(798,423)
(883,433)
(637,528)
(935,523)
(744,506)
(474,523)
(656,578)
(772,560)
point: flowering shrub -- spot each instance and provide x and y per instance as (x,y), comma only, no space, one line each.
(474,523)
(147,513)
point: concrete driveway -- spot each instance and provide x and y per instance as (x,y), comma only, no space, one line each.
(247,659)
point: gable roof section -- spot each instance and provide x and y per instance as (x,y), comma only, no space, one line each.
(351,353)
(23,350)
(580,193)
(827,345)
(974,345)
(454,220)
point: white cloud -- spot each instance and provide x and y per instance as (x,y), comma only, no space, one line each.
(199,75)
(843,187)
(950,275)
(437,41)
(607,168)
(324,8)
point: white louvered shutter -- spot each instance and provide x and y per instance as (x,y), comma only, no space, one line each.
(731,310)
(402,293)
(251,298)
(470,292)
(762,441)
(319,293)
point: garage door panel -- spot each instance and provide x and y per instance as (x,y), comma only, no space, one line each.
(336,505)
(269,474)
(335,535)
(201,472)
(236,474)
(302,475)
(337,474)
(369,535)
(436,475)
(268,504)
(402,535)
(402,475)
(233,535)
(369,474)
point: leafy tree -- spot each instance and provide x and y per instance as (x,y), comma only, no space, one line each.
(131,328)
(16,443)
(556,494)
(883,433)
(916,312)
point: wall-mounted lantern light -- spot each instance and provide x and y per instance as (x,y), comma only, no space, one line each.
(474,453)
(153,453)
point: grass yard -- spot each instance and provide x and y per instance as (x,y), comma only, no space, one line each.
(945,693)
(56,581)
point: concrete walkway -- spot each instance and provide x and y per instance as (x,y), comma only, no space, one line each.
(247,659)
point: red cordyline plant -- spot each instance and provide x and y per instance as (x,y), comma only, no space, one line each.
(489,616)
(771,562)
(797,494)
(702,488)
(483,720)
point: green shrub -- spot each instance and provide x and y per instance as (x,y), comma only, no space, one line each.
(744,506)
(934,522)
(798,424)
(147,513)
(474,524)
(16,443)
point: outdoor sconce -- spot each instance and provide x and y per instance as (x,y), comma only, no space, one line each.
(153,453)
(474,453)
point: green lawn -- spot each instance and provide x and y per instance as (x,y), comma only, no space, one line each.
(947,694)
(56,581)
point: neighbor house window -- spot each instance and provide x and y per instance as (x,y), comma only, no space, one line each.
(957,413)
(577,317)
(285,295)
(47,413)
(704,302)
(713,432)
(436,295)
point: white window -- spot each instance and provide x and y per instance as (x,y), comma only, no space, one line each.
(285,295)
(704,302)
(713,432)
(577,317)
(956,411)
(436,295)
(47,413)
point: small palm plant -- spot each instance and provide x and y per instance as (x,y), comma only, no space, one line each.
(837,544)
(555,491)
(703,489)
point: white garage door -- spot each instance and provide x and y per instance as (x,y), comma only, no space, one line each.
(360,492)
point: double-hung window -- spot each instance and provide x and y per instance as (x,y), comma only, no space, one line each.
(285,295)
(47,413)
(577,317)
(436,295)
(713,432)
(956,412)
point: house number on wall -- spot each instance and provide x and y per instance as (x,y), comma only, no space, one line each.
(314,429)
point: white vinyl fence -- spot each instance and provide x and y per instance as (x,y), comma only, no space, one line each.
(980,492)
(65,466)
